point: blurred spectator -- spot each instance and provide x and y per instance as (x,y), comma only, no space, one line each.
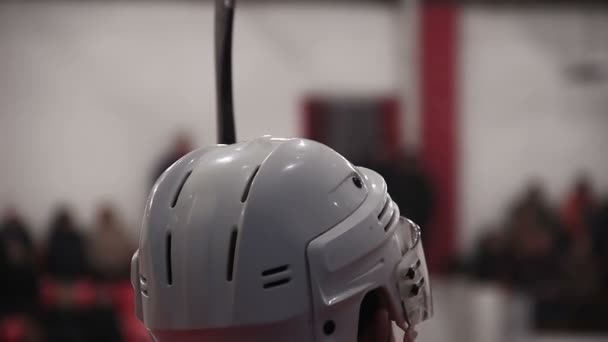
(65,254)
(599,231)
(489,262)
(181,146)
(576,212)
(19,285)
(110,249)
(410,188)
(534,202)
(535,205)
(73,312)
(581,278)
(532,248)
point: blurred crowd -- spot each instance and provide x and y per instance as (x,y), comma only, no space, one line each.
(555,253)
(73,286)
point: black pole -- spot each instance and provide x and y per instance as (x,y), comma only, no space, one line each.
(224,18)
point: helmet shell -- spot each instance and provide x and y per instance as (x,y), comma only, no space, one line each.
(226,230)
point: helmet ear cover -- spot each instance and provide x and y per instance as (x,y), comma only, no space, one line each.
(374,249)
(412,283)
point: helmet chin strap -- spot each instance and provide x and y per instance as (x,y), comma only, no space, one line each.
(224,18)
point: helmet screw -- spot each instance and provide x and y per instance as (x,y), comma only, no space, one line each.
(329,327)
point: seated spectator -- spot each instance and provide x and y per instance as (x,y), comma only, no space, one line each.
(65,254)
(576,212)
(75,313)
(533,252)
(489,263)
(19,285)
(110,249)
(535,203)
(599,231)
(581,279)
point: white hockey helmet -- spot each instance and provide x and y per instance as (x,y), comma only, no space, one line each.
(273,240)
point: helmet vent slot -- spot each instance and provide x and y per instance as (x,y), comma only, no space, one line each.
(391,221)
(277,283)
(248,185)
(275,270)
(387,204)
(168,259)
(179,188)
(232,251)
(276,276)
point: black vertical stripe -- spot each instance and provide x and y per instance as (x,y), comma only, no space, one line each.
(232,252)
(168,259)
